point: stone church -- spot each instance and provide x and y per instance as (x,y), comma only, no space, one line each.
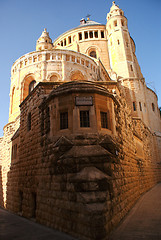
(83,140)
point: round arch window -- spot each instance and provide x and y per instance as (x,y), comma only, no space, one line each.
(32,85)
(93,54)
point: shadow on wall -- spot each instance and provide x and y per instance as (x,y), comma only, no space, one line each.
(1,190)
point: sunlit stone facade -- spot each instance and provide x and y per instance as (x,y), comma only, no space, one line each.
(83,139)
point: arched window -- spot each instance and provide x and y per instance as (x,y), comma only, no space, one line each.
(54,78)
(93,54)
(32,85)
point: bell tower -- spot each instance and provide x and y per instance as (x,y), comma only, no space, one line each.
(120,45)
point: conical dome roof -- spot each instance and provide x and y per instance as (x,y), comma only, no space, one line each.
(114,11)
(44,41)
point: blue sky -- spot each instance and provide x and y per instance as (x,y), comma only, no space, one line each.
(21,24)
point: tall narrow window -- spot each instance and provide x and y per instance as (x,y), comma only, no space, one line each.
(118,42)
(153,107)
(140,106)
(63,120)
(96,34)
(69,40)
(102,34)
(85,35)
(80,36)
(84,119)
(104,122)
(134,106)
(131,68)
(91,34)
(115,23)
(29,122)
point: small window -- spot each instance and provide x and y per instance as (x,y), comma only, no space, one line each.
(127,44)
(29,122)
(62,43)
(64,120)
(84,119)
(122,22)
(85,35)
(131,68)
(69,40)
(104,123)
(134,106)
(93,54)
(118,42)
(115,23)
(140,106)
(65,42)
(153,107)
(96,34)
(80,36)
(91,34)
(102,34)
(32,85)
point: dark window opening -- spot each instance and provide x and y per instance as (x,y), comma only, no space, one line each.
(62,43)
(96,34)
(84,119)
(102,34)
(91,34)
(140,106)
(131,67)
(93,54)
(64,120)
(153,107)
(32,85)
(118,42)
(69,40)
(115,23)
(104,122)
(80,36)
(134,106)
(65,43)
(29,122)
(85,35)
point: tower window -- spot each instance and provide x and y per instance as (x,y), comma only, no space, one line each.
(65,43)
(91,34)
(96,34)
(153,107)
(134,106)
(62,43)
(93,54)
(29,122)
(131,68)
(63,120)
(84,119)
(102,34)
(140,106)
(118,42)
(115,23)
(85,35)
(80,36)
(104,123)
(122,22)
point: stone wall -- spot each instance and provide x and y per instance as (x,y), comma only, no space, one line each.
(82,184)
